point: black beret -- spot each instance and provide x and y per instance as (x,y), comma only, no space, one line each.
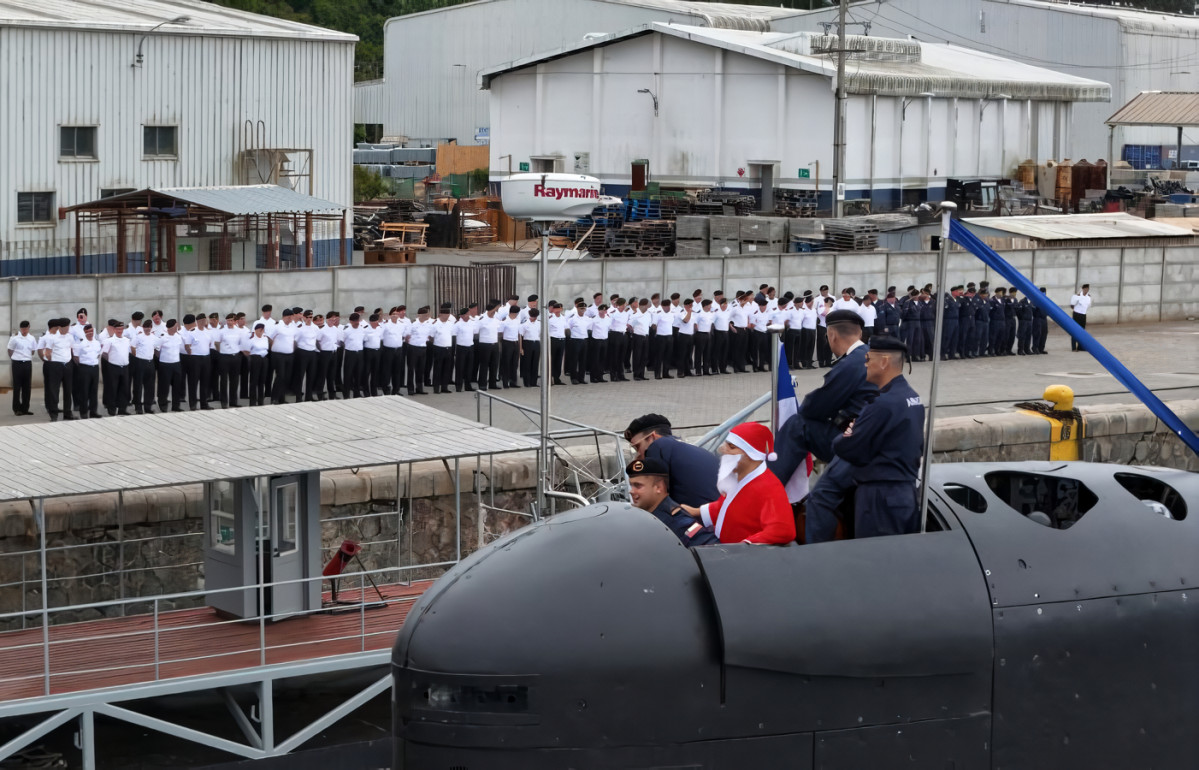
(258,326)
(647,467)
(646,422)
(514,310)
(190,318)
(88,328)
(532,298)
(447,306)
(845,316)
(885,343)
(286,311)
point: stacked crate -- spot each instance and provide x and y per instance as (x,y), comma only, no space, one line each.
(795,203)
(850,234)
(763,235)
(691,236)
(724,233)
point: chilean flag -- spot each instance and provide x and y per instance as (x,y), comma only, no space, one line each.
(788,407)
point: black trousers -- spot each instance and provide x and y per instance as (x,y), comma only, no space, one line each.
(739,346)
(487,364)
(598,353)
(143,384)
(85,389)
(22,383)
(661,347)
(228,378)
(1081,320)
(805,348)
(170,382)
(243,376)
(1040,333)
(326,383)
(258,376)
(351,374)
(116,388)
(509,362)
(720,351)
(790,347)
(1010,339)
(283,363)
(443,369)
(570,350)
(197,369)
(339,361)
(390,378)
(640,351)
(530,362)
(371,360)
(760,348)
(824,355)
(416,368)
(576,355)
(685,347)
(618,353)
(303,374)
(982,331)
(557,353)
(464,366)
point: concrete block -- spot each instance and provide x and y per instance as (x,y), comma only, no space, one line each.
(1148,295)
(1090,259)
(1147,273)
(348,489)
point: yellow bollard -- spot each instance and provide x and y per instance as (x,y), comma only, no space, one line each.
(1066,421)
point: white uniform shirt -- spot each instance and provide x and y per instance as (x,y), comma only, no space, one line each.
(145,346)
(600,326)
(259,346)
(640,323)
(419,332)
(579,325)
(464,331)
(229,338)
(869,315)
(489,328)
(88,351)
(354,338)
(808,318)
(760,318)
(372,337)
(686,327)
(592,310)
(117,350)
(393,333)
(845,304)
(170,346)
(443,332)
(620,321)
(77,332)
(721,319)
(306,336)
(664,323)
(558,324)
(739,315)
(1080,303)
(22,347)
(703,321)
(329,338)
(510,328)
(268,326)
(284,340)
(531,329)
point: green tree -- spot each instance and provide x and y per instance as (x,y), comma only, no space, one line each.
(368,185)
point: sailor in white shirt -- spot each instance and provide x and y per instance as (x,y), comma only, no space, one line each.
(510,348)
(722,317)
(170,367)
(685,342)
(80,321)
(268,323)
(1080,303)
(704,319)
(157,327)
(824,306)
(228,344)
(22,347)
(846,302)
(597,299)
(532,305)
(257,348)
(578,325)
(417,346)
(197,360)
(354,342)
(283,356)
(772,303)
(116,352)
(487,351)
(759,338)
(662,345)
(739,341)
(305,376)
(328,342)
(86,353)
(807,333)
(618,339)
(530,346)
(640,323)
(557,328)
(442,338)
(372,354)
(391,367)
(466,328)
(597,348)
(144,349)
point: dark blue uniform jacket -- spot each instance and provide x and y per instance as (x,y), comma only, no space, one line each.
(669,513)
(692,470)
(888,437)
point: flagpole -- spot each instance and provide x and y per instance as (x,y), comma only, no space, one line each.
(776,341)
(947,209)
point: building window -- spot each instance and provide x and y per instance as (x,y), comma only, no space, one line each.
(35,207)
(160,141)
(109,192)
(77,141)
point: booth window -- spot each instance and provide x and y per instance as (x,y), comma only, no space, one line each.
(221,507)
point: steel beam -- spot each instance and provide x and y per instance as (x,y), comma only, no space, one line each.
(87,739)
(243,722)
(335,715)
(179,731)
(33,733)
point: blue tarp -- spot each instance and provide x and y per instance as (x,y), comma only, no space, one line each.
(968,240)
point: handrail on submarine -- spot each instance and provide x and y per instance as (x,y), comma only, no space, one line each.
(713,438)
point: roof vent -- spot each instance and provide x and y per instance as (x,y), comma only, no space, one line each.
(745,23)
(865,48)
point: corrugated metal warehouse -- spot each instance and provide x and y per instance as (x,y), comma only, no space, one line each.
(718,107)
(98,98)
(432,60)
(1133,50)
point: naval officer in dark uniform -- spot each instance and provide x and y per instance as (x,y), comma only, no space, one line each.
(692,471)
(884,446)
(648,486)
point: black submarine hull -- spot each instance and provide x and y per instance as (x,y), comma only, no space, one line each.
(596,640)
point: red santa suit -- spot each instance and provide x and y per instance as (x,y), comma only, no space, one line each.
(756,510)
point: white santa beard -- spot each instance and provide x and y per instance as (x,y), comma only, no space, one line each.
(726,475)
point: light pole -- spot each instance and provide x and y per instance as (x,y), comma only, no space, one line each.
(137,60)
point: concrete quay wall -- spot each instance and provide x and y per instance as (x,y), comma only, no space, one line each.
(1129,285)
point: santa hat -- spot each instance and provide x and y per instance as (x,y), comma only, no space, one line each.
(755,440)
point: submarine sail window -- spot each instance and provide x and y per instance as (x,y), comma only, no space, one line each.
(966,497)
(1151,490)
(1053,501)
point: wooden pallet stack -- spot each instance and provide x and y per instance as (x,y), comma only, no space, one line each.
(795,203)
(691,236)
(724,235)
(647,238)
(675,206)
(731,203)
(850,234)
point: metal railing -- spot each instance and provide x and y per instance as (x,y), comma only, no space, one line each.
(715,437)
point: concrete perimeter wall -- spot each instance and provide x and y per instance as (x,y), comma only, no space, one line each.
(1129,285)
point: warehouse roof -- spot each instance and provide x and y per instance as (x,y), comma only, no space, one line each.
(1131,19)
(237,200)
(163,450)
(1071,227)
(140,16)
(728,15)
(1159,108)
(883,66)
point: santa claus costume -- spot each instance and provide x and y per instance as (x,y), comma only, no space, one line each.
(753,509)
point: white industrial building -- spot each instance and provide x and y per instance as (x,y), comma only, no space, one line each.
(738,109)
(432,60)
(106,98)
(1133,50)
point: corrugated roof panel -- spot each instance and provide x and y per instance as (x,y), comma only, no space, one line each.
(143,15)
(234,200)
(1159,108)
(1079,226)
(192,447)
